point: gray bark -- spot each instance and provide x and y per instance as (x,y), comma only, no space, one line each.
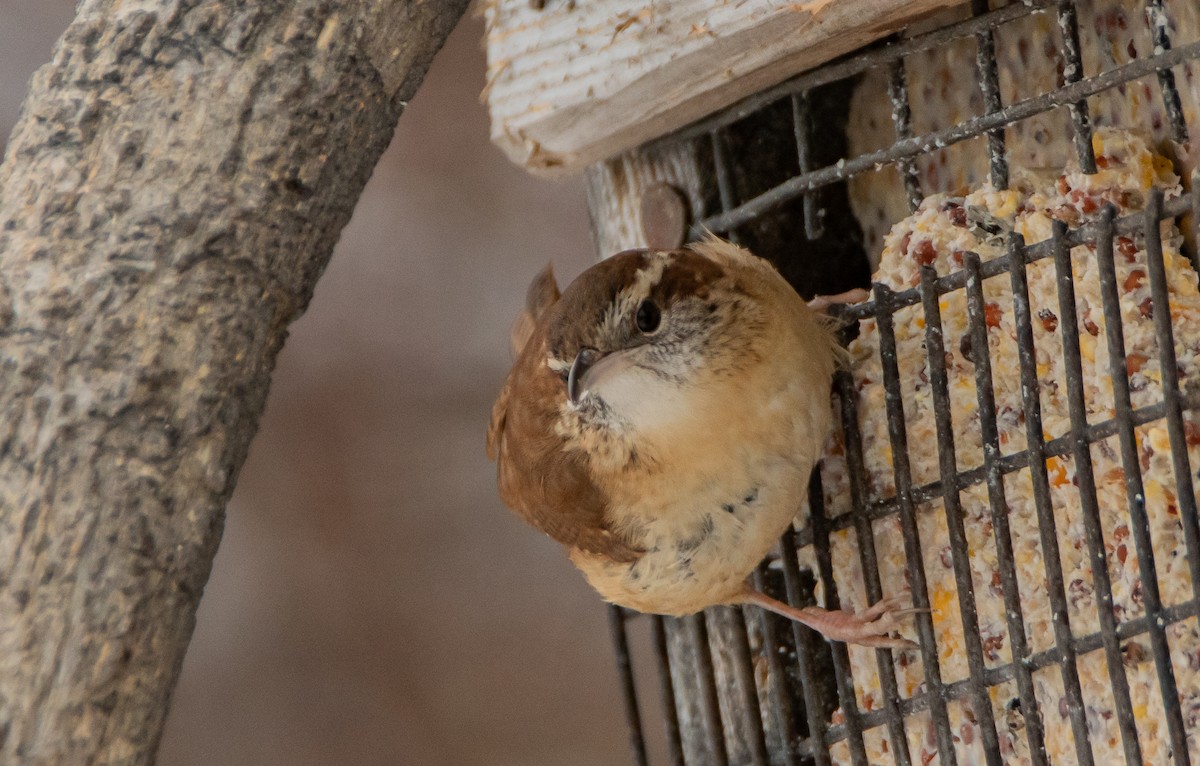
(176,183)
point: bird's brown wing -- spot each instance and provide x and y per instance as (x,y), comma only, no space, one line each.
(542,482)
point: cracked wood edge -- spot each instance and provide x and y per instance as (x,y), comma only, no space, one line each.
(174,188)
(578,82)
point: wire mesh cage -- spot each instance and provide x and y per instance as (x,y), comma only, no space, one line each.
(1033,487)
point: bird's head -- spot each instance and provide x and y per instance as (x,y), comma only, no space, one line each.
(635,332)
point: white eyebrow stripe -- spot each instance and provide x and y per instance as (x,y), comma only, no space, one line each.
(623,304)
(628,299)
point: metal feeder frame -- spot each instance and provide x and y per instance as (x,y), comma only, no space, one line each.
(807,678)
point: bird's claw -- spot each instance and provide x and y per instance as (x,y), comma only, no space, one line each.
(872,626)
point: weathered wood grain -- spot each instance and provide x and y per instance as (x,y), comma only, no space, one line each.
(577,82)
(176,183)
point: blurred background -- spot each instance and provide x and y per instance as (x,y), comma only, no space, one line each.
(372,602)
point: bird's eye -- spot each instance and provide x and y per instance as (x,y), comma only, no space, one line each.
(648,317)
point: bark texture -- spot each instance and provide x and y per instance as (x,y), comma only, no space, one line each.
(175,186)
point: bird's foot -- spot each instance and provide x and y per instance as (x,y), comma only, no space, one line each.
(872,626)
(821,303)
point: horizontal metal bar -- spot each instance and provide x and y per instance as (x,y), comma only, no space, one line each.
(857,63)
(1086,234)
(996,676)
(911,147)
(1096,432)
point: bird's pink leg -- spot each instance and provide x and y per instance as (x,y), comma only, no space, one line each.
(870,627)
(823,302)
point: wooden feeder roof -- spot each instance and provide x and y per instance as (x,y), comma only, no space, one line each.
(576,82)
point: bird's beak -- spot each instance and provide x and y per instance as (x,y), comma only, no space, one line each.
(592,368)
(583,362)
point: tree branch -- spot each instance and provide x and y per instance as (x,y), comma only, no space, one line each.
(174,188)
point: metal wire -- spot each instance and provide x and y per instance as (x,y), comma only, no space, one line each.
(780,700)
(747,697)
(802,121)
(697,632)
(1134,489)
(1068,26)
(852,441)
(815,744)
(616,624)
(917,145)
(1172,398)
(858,63)
(1047,533)
(939,386)
(805,679)
(667,691)
(841,657)
(898,437)
(901,114)
(981,357)
(1157,19)
(989,86)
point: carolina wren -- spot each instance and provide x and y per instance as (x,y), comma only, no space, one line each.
(661,421)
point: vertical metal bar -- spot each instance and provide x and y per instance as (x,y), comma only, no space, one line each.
(1068,25)
(1081,450)
(898,436)
(959,549)
(813,709)
(841,656)
(998,501)
(781,705)
(852,443)
(1194,256)
(743,673)
(901,116)
(724,179)
(686,681)
(670,710)
(616,626)
(1185,496)
(710,707)
(1047,527)
(1134,490)
(814,227)
(1157,19)
(989,86)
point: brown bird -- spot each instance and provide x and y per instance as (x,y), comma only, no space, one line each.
(661,421)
